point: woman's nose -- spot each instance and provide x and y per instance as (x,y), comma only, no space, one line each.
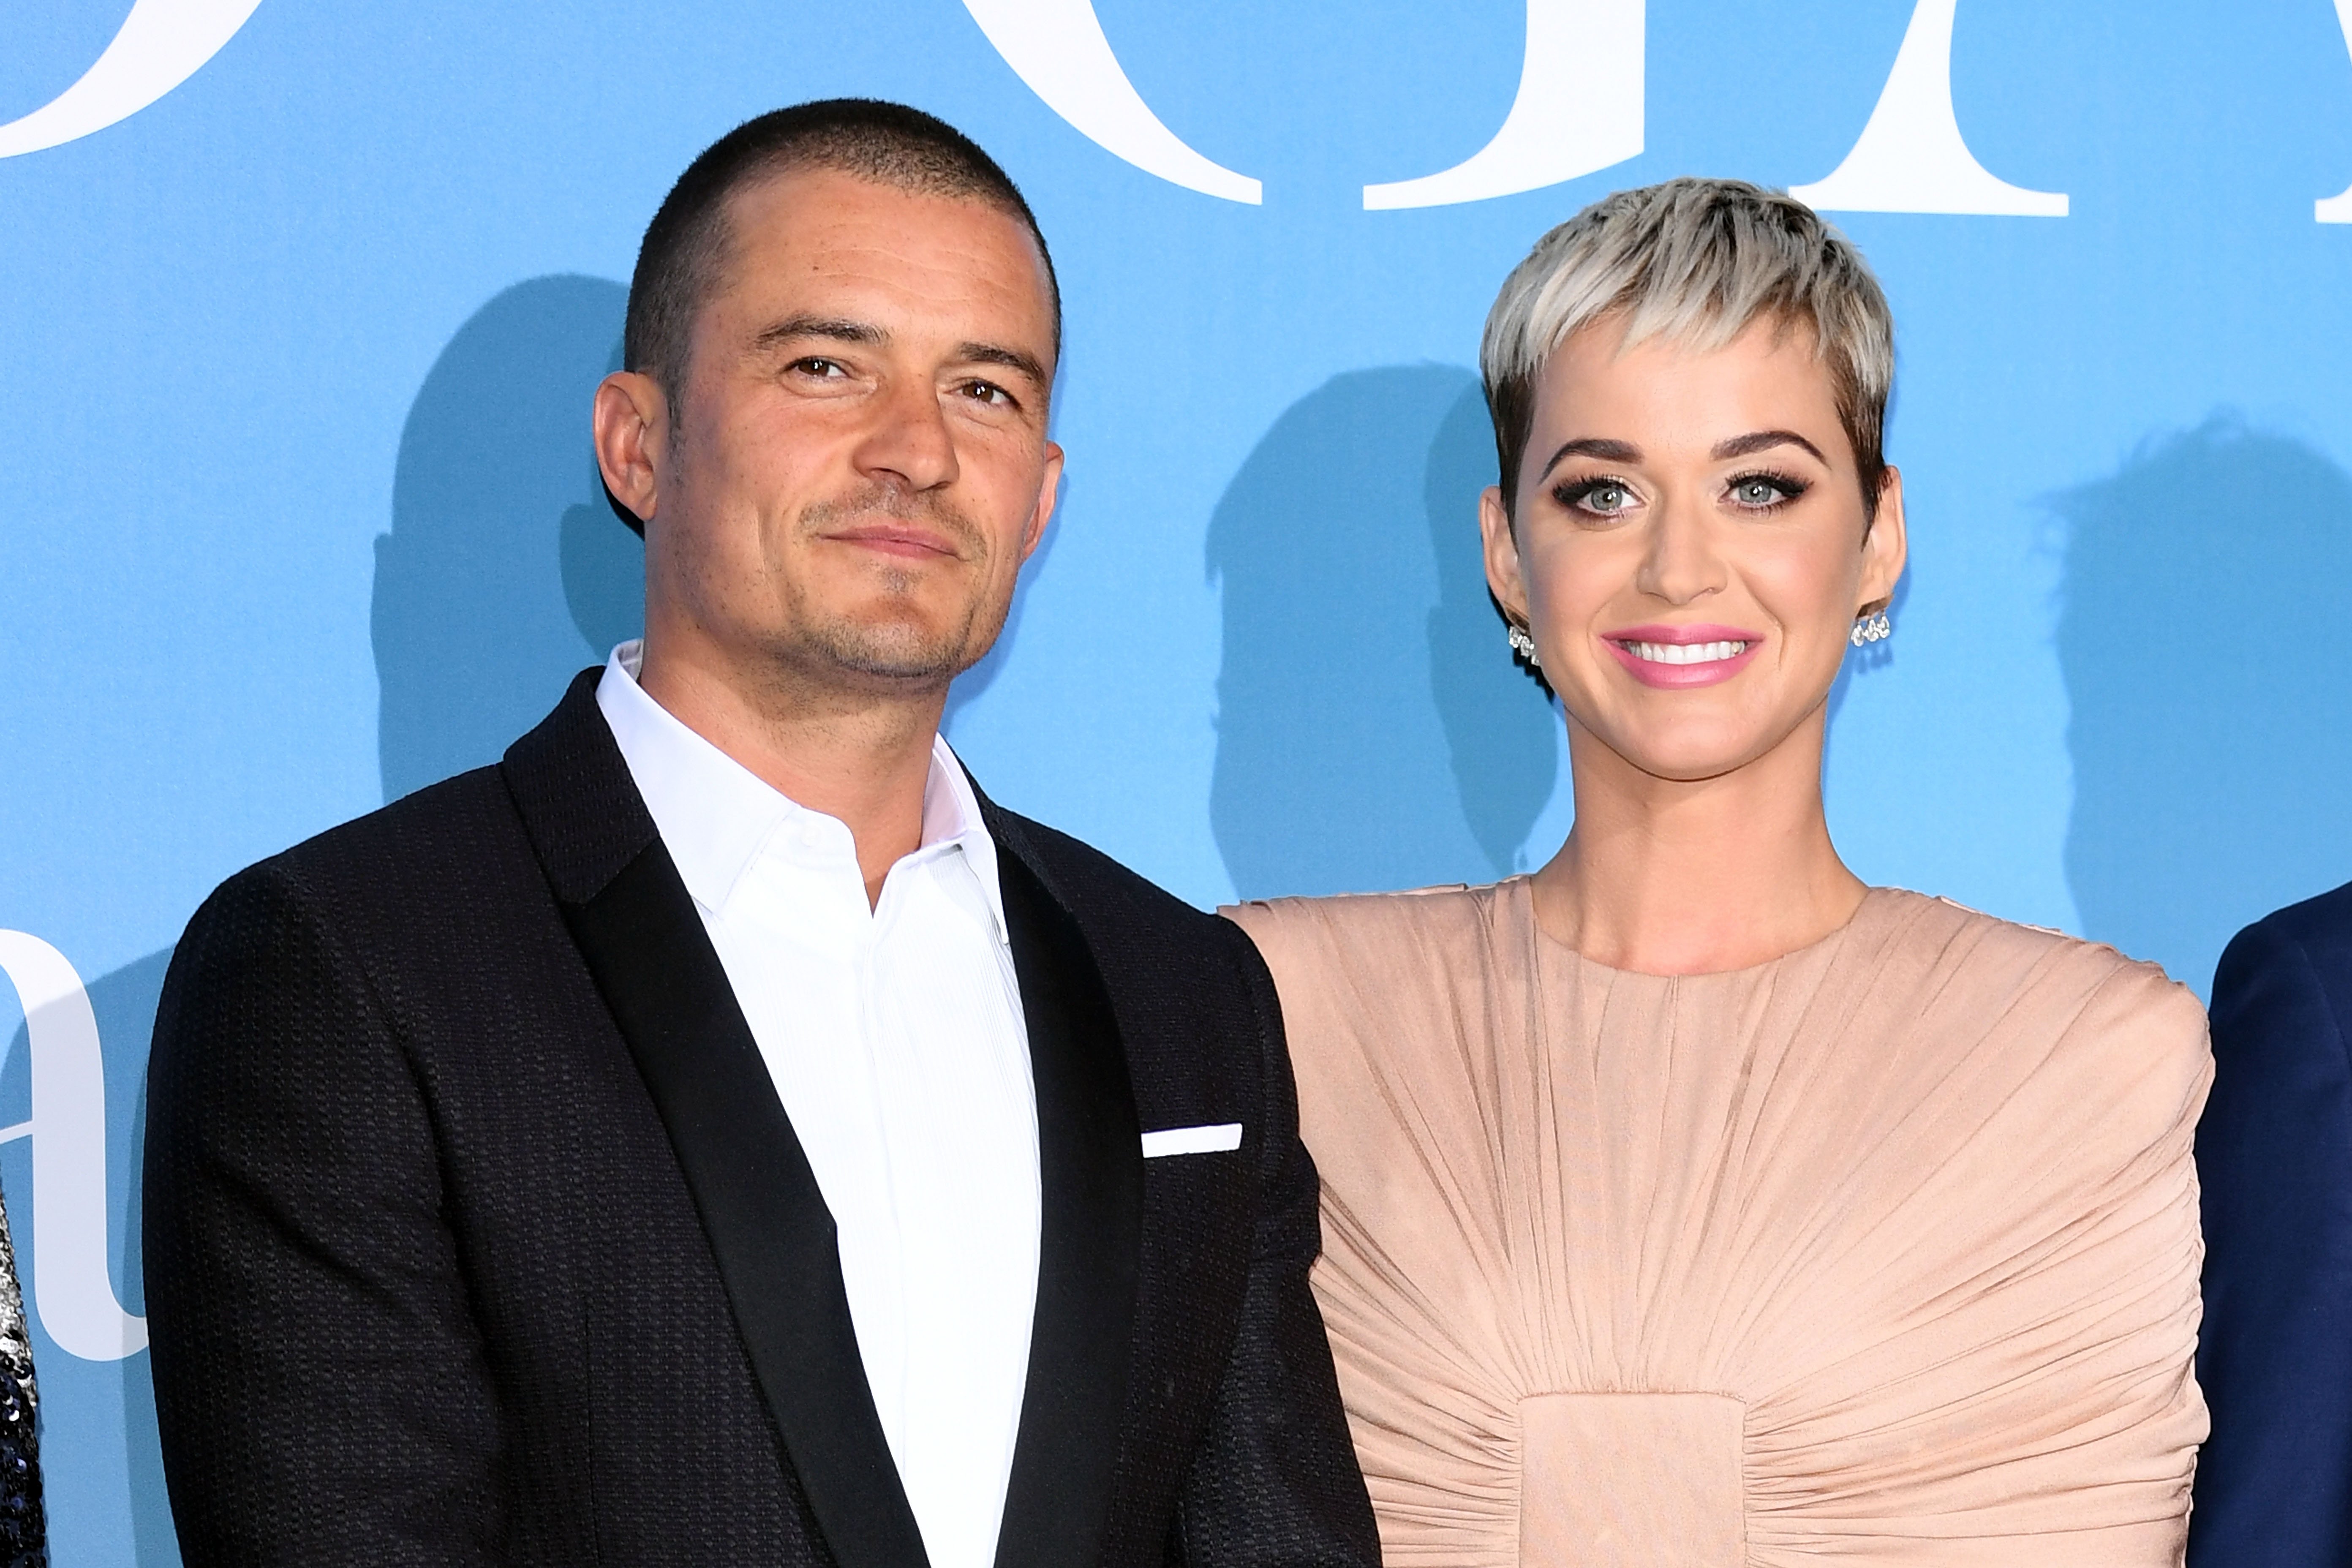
(1680,563)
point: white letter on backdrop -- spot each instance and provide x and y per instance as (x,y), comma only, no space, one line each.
(1057,46)
(1911,158)
(71,1288)
(1579,109)
(162,43)
(2338,209)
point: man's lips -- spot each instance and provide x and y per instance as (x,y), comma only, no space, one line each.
(1680,656)
(895,539)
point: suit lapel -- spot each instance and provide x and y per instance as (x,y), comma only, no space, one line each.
(769,1228)
(1090,1161)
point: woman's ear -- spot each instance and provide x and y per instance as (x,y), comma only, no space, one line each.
(1502,552)
(1884,548)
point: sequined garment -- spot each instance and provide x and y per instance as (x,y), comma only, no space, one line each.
(23,1527)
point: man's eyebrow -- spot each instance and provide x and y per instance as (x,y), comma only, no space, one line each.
(1027,365)
(1763,441)
(1600,446)
(792,329)
(841,329)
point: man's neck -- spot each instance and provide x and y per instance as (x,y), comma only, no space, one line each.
(863,757)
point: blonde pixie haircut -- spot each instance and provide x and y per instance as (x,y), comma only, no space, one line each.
(1695,261)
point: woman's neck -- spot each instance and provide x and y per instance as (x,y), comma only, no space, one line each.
(1666,876)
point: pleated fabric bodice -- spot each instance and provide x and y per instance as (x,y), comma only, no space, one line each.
(1882,1252)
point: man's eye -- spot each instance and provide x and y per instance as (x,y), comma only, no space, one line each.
(988,392)
(826,368)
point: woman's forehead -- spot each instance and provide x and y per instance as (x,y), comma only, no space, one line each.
(1768,365)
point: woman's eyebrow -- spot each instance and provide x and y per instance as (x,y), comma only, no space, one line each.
(1763,441)
(1600,446)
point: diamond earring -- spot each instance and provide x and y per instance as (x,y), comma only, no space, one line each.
(1869,628)
(1523,643)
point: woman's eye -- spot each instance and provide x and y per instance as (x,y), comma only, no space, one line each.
(1761,492)
(1605,497)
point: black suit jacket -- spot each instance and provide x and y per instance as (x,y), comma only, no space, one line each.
(2275,1164)
(475,1233)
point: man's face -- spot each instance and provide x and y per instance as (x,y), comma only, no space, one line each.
(859,463)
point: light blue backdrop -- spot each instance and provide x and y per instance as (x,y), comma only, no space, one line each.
(299,514)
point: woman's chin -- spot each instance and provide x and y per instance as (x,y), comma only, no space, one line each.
(1691,753)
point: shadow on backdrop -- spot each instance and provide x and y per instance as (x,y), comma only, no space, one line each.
(1372,732)
(973,682)
(2211,727)
(124,1004)
(505,573)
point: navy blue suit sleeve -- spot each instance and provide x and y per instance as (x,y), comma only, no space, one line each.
(2275,1160)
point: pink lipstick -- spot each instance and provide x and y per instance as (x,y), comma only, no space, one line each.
(1679,657)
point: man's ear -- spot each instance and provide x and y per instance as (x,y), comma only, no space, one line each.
(1885,548)
(631,422)
(1049,495)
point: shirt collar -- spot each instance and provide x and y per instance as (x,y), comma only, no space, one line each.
(714,815)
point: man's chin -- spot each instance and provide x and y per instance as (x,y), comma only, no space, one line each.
(916,673)
(902,654)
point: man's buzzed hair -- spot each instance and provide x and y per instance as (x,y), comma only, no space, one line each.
(685,246)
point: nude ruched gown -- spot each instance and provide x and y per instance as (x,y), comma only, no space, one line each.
(1884,1252)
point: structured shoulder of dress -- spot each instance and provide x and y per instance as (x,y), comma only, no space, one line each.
(1340,912)
(2018,940)
(1369,935)
(2079,990)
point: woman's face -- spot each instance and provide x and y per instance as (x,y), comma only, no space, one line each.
(1690,551)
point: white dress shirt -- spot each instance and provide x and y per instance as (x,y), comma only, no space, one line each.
(895,1037)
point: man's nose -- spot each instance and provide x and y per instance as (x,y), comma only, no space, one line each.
(907,441)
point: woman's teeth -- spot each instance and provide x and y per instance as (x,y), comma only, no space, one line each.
(1685,653)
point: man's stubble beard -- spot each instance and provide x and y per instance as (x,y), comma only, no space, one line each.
(897,650)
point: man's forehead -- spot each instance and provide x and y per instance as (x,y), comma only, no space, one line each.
(800,237)
(817,209)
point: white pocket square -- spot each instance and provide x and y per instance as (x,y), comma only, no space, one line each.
(1223,1138)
